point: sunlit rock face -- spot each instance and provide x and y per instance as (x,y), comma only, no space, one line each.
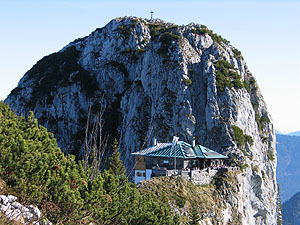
(154,78)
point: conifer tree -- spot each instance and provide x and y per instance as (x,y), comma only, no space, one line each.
(116,166)
(35,168)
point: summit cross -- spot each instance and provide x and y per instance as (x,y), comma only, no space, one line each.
(151,14)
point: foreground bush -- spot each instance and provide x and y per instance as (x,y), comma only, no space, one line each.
(34,167)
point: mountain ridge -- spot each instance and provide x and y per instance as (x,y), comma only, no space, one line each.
(295,133)
(288,150)
(290,210)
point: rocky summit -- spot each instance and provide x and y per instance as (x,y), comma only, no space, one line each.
(156,79)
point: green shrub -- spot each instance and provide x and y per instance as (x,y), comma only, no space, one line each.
(270,156)
(154,31)
(180,201)
(188,82)
(194,217)
(223,65)
(226,76)
(141,50)
(237,53)
(249,139)
(54,70)
(125,31)
(246,85)
(244,152)
(238,135)
(33,166)
(166,40)
(252,81)
(237,83)
(264,118)
(133,23)
(222,82)
(257,119)
(204,30)
(242,166)
(264,139)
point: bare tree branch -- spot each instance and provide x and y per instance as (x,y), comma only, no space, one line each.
(95,143)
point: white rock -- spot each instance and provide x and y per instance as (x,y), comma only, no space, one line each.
(4,208)
(11,198)
(28,216)
(16,215)
(3,200)
(9,213)
(19,206)
(35,211)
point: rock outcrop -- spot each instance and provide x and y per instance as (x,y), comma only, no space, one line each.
(154,78)
(19,213)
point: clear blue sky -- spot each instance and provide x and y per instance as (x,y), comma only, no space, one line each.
(267,32)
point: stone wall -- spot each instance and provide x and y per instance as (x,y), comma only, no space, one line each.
(202,177)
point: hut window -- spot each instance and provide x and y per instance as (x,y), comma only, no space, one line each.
(139,174)
(144,174)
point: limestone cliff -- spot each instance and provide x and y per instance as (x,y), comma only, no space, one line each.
(157,78)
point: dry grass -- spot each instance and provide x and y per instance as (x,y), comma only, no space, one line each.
(4,190)
(6,221)
(208,198)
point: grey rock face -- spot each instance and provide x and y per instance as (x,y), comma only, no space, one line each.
(154,78)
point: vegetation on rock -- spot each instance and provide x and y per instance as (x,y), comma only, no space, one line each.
(261,121)
(166,40)
(58,69)
(204,30)
(237,53)
(226,76)
(240,137)
(188,82)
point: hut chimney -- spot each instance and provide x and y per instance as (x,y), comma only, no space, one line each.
(194,142)
(154,141)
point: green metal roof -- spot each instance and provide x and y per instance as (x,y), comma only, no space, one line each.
(166,152)
(182,150)
(198,151)
(208,153)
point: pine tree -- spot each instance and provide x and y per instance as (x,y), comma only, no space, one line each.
(116,166)
(34,167)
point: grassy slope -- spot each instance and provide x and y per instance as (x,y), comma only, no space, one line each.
(182,194)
